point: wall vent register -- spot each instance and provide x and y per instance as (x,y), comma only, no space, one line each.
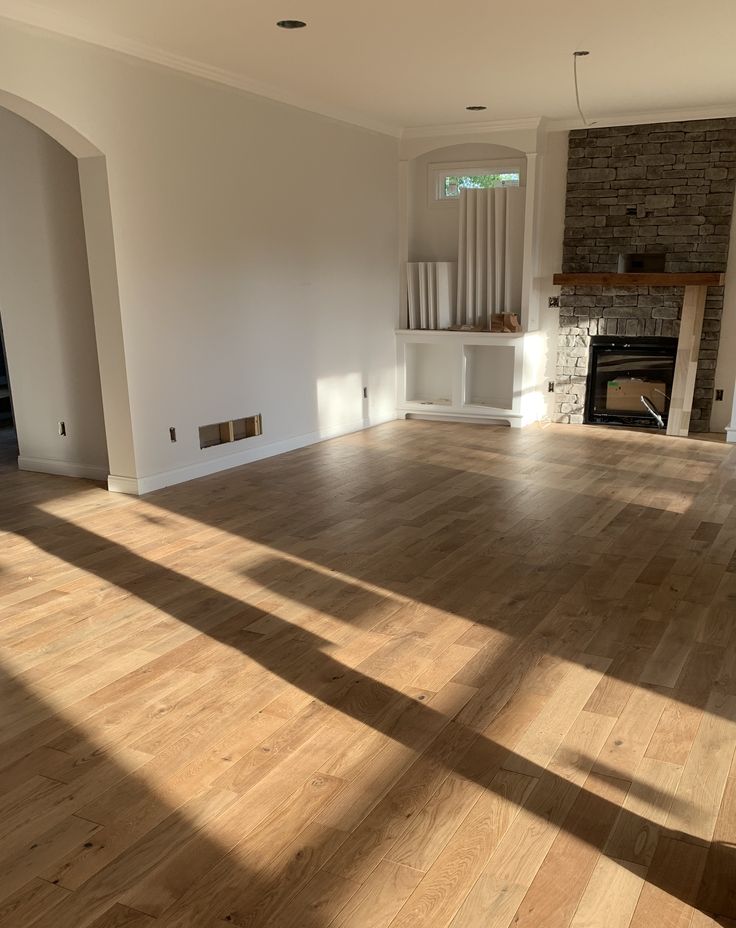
(222,433)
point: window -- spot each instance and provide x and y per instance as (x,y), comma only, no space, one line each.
(447,180)
(453,183)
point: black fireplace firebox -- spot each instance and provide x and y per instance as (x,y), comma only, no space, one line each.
(630,380)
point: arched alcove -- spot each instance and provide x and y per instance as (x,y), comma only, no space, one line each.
(432,226)
(485,375)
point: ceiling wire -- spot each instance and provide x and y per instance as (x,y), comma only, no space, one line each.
(575,56)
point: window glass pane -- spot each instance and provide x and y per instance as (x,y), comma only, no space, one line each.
(454,183)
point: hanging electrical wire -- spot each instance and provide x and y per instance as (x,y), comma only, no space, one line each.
(575,56)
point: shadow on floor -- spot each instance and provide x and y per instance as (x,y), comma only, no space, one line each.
(458,746)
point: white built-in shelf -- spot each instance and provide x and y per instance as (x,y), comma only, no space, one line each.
(455,333)
(489,375)
(470,375)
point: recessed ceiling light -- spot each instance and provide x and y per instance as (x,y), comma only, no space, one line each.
(290,24)
(476,108)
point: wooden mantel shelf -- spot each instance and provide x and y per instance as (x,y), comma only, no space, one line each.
(639,280)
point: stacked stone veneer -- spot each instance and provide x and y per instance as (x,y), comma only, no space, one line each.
(664,188)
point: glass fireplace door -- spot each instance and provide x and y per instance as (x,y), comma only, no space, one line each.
(622,372)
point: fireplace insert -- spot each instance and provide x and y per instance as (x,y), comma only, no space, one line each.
(630,380)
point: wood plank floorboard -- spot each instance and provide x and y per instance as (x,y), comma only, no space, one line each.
(429,675)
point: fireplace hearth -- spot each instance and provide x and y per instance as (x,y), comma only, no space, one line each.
(630,381)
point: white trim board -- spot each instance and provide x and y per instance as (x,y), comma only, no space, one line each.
(514,422)
(127,485)
(472,128)
(62,468)
(684,114)
(141,485)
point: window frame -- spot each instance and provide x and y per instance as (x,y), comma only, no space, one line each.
(437,172)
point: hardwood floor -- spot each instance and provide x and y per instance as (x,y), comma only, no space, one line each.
(431,675)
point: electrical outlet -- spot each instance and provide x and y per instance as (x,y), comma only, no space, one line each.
(172,433)
(719,395)
(62,428)
(553,302)
(551,386)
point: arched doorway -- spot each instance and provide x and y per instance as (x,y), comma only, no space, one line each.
(59,301)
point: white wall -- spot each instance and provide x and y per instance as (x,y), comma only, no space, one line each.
(432,228)
(722,413)
(45,304)
(256,250)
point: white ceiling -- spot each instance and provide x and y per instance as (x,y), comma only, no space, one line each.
(410,63)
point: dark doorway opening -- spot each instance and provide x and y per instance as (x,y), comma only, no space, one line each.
(630,380)
(6,405)
(8,440)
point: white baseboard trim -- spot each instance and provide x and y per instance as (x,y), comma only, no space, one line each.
(457,417)
(137,487)
(127,485)
(62,468)
(515,421)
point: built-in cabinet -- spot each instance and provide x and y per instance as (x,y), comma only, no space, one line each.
(470,375)
(445,373)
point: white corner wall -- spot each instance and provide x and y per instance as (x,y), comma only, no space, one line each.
(723,411)
(45,305)
(256,252)
(553,184)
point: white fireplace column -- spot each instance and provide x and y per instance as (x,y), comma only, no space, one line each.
(731,427)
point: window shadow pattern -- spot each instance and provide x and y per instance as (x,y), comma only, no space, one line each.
(460,746)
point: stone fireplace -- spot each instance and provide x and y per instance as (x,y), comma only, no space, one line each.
(664,189)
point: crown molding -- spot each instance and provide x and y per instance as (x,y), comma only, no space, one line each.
(473,128)
(32,15)
(27,13)
(684,114)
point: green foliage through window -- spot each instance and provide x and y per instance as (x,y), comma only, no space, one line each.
(455,182)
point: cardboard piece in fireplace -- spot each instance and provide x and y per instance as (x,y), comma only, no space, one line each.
(624,394)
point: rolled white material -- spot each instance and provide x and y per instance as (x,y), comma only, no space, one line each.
(490,253)
(431,289)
